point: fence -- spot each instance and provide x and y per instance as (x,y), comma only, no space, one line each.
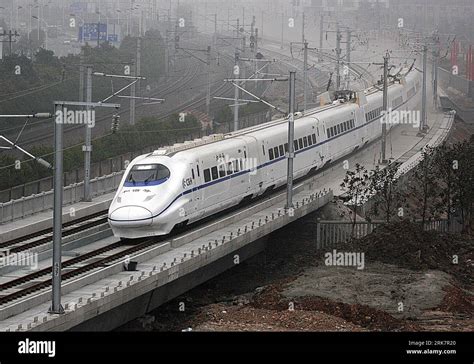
(329,233)
(26,206)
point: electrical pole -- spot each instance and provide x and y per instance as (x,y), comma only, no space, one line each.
(436,52)
(81,76)
(236,92)
(348,53)
(338,61)
(291,136)
(87,148)
(56,306)
(282,28)
(305,77)
(423,94)
(321,31)
(208,94)
(133,89)
(385,107)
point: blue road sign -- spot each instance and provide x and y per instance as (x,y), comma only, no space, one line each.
(91,31)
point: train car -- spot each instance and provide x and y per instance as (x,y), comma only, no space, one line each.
(178,185)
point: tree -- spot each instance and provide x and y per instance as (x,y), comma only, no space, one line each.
(388,197)
(424,185)
(356,185)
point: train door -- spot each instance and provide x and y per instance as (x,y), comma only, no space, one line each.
(197,193)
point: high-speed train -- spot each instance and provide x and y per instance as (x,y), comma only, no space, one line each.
(184,183)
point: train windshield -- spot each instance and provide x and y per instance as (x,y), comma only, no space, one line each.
(147,175)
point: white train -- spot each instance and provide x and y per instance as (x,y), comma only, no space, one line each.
(184,183)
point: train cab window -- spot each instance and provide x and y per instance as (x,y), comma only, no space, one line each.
(295,144)
(147,175)
(275,151)
(314,138)
(310,142)
(241,164)
(245,154)
(222,170)
(286,147)
(282,153)
(214,173)
(300,143)
(192,172)
(230,170)
(197,168)
(263,149)
(270,154)
(207,175)
(305,141)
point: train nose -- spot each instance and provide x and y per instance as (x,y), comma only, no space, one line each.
(131,216)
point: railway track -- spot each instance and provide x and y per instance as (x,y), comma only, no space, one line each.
(45,236)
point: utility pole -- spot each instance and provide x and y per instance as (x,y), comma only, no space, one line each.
(303,39)
(291,136)
(236,92)
(282,28)
(208,94)
(348,53)
(385,107)
(87,148)
(81,76)
(338,61)
(305,77)
(423,94)
(436,52)
(10,40)
(56,306)
(321,31)
(133,89)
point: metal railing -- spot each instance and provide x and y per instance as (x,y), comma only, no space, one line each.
(329,233)
(27,206)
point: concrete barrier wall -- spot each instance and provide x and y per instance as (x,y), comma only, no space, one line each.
(447,79)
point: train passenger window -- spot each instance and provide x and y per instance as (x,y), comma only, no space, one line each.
(214,173)
(286,147)
(270,154)
(275,151)
(305,141)
(222,170)
(207,175)
(236,166)
(197,168)
(338,126)
(295,144)
(230,170)
(282,153)
(192,172)
(300,143)
(241,164)
(344,126)
(314,138)
(310,142)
